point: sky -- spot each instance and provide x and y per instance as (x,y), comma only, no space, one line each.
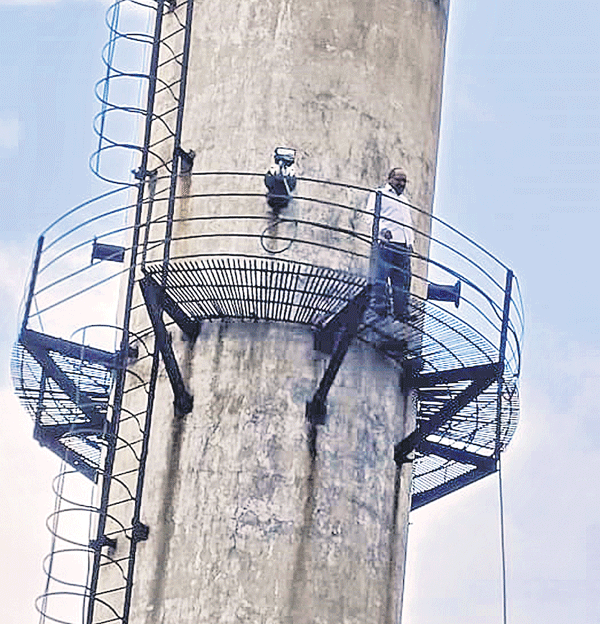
(518,171)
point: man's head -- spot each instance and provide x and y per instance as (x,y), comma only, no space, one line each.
(397,179)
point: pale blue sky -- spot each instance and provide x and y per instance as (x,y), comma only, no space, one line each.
(519,171)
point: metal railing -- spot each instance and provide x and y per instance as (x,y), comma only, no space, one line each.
(225,255)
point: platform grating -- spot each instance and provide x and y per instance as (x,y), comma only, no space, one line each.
(259,289)
(62,423)
(473,431)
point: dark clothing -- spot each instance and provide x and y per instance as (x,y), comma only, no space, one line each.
(393,262)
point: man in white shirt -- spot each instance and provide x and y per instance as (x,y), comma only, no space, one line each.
(395,239)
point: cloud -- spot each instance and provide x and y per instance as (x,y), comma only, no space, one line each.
(14,264)
(552,508)
(9,129)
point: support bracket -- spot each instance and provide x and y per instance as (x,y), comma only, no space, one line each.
(140,532)
(403,449)
(98,544)
(190,327)
(481,462)
(86,403)
(416,439)
(349,319)
(74,350)
(155,299)
(466,373)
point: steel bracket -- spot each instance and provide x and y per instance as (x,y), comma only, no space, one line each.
(84,402)
(481,378)
(98,544)
(140,532)
(157,302)
(349,320)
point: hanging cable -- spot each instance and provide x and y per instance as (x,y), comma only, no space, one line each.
(270,233)
(502,540)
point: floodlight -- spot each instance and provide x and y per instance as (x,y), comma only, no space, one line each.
(285,156)
(280,178)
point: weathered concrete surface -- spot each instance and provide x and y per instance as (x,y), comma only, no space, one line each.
(354,86)
(244,525)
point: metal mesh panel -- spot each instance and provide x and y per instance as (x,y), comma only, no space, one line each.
(473,430)
(431,471)
(61,420)
(259,289)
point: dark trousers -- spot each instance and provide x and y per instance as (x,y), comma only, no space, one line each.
(393,264)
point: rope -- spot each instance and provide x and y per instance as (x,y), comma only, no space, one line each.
(502,540)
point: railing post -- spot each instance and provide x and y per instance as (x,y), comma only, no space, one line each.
(502,355)
(375,238)
(32,281)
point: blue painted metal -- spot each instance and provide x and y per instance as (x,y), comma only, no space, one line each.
(111,253)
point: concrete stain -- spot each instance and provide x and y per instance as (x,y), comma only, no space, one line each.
(391,593)
(298,589)
(165,522)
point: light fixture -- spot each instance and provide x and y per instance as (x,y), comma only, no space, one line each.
(280,179)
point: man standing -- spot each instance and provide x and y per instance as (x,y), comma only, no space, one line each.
(395,240)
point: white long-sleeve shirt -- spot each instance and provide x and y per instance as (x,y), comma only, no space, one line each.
(394,216)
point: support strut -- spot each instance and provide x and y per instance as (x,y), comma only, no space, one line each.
(350,318)
(158,302)
(418,437)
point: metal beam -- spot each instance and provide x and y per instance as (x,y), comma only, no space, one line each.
(70,349)
(152,296)
(455,454)
(190,327)
(325,332)
(451,407)
(86,403)
(467,373)
(316,408)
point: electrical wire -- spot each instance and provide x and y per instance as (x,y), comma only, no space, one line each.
(270,233)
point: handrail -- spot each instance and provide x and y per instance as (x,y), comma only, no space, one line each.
(65,240)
